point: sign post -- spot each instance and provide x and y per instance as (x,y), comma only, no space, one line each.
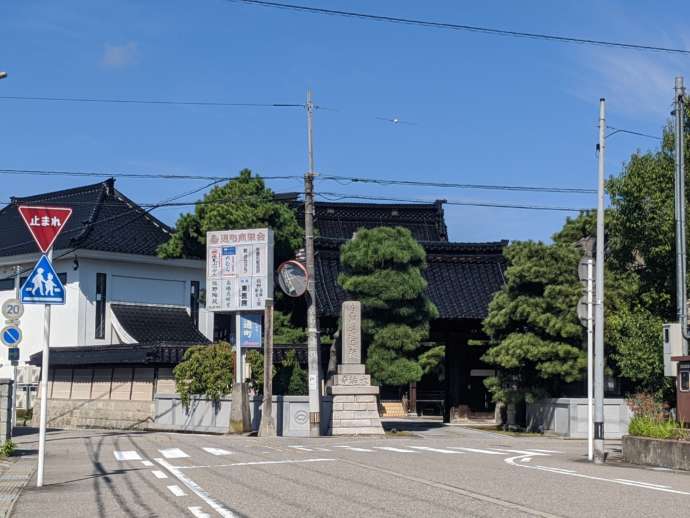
(239,279)
(43,286)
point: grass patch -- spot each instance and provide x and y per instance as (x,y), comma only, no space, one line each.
(7,449)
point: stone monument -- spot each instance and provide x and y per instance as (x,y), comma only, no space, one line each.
(355,410)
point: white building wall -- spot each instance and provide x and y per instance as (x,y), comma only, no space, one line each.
(74,322)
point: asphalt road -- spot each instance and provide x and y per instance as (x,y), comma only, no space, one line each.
(436,471)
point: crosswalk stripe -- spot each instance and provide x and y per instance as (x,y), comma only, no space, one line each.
(159,474)
(126,455)
(197,512)
(436,450)
(176,490)
(147,463)
(353,448)
(390,448)
(217,451)
(173,453)
(477,450)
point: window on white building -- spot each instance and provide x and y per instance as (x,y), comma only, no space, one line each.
(100,304)
(194,302)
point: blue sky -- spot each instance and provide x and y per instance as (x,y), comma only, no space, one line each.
(485,109)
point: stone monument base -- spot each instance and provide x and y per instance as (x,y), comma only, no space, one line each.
(355,409)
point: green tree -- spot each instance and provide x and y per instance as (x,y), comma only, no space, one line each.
(205,370)
(536,337)
(243,202)
(383,270)
(290,378)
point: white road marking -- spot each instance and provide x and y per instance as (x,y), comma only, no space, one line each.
(476,450)
(556,470)
(353,448)
(173,453)
(526,459)
(643,483)
(436,450)
(217,451)
(523,452)
(571,473)
(545,451)
(147,463)
(159,474)
(197,490)
(198,513)
(176,490)
(390,448)
(126,455)
(256,463)
(301,448)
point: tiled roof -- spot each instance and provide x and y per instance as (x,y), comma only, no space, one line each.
(337,220)
(462,277)
(158,324)
(102,219)
(116,354)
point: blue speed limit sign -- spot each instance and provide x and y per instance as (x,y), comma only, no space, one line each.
(11,336)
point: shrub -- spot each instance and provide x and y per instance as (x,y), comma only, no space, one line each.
(7,449)
(650,419)
(207,370)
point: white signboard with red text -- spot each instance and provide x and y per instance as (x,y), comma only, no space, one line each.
(239,269)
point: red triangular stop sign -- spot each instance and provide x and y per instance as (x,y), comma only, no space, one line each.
(45,223)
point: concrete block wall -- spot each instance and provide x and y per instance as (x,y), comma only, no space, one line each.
(5,409)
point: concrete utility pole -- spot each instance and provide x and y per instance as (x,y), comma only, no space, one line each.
(267,429)
(590,358)
(312,331)
(681,259)
(599,454)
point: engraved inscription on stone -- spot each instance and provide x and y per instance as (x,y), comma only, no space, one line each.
(355,379)
(352,332)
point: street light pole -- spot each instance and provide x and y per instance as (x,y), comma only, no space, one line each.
(599,454)
(679,184)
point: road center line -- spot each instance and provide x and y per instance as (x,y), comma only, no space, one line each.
(390,448)
(256,463)
(197,490)
(476,450)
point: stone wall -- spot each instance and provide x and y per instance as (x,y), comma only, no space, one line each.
(568,417)
(657,452)
(112,414)
(5,409)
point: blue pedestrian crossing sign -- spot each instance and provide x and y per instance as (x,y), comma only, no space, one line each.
(43,285)
(11,336)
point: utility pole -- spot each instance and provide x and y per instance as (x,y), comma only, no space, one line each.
(267,429)
(599,454)
(312,333)
(681,260)
(590,357)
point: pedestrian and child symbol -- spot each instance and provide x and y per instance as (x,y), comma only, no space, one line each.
(43,285)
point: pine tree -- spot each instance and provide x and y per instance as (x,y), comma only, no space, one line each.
(383,270)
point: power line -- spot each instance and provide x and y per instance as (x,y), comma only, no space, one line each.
(152,101)
(331,196)
(161,176)
(522,188)
(336,178)
(630,132)
(459,27)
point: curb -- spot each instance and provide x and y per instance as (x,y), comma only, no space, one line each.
(12,481)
